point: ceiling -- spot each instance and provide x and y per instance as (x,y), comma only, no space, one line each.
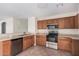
(35,9)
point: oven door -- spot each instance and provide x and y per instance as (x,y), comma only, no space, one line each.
(51,38)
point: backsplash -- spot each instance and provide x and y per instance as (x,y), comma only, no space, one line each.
(61,31)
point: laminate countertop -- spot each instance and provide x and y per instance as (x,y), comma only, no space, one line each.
(73,36)
(10,37)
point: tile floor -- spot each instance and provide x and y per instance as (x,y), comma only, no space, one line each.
(43,51)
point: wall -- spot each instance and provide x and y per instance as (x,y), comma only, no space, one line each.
(32,24)
(9,24)
(20,25)
(14,25)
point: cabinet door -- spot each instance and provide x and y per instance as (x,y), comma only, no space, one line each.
(39,24)
(52,21)
(6,48)
(41,40)
(28,41)
(49,22)
(61,23)
(75,47)
(32,40)
(44,24)
(65,44)
(69,22)
(77,21)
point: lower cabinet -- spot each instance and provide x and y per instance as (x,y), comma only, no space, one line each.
(28,41)
(75,47)
(6,48)
(65,43)
(41,40)
(16,46)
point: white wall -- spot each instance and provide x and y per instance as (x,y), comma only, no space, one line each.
(20,25)
(15,25)
(9,24)
(32,24)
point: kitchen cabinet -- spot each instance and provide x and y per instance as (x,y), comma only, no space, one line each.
(66,22)
(63,23)
(69,22)
(42,24)
(77,21)
(39,24)
(41,40)
(16,46)
(52,21)
(28,41)
(75,47)
(65,43)
(6,48)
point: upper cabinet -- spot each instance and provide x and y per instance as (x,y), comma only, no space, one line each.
(69,22)
(52,21)
(77,21)
(66,23)
(63,23)
(42,24)
(39,24)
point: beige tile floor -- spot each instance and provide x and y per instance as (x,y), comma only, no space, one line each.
(43,51)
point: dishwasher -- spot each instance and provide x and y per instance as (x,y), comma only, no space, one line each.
(16,46)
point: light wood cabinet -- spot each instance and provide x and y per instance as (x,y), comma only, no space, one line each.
(77,21)
(65,43)
(41,40)
(39,24)
(66,22)
(28,41)
(52,21)
(63,23)
(6,46)
(75,47)
(69,22)
(44,24)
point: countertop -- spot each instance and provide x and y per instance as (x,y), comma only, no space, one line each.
(73,36)
(12,36)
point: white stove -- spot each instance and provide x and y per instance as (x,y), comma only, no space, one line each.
(51,45)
